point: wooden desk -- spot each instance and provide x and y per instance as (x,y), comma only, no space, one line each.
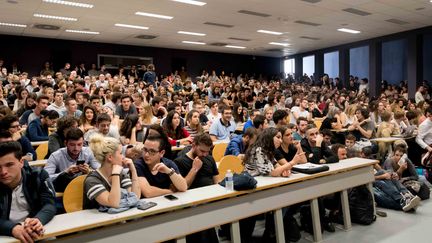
(34,144)
(38,163)
(210,206)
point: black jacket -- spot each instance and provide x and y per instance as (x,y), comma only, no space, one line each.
(315,154)
(40,196)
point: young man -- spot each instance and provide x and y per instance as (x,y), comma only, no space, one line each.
(95,101)
(158,109)
(349,143)
(30,115)
(340,150)
(260,123)
(238,145)
(315,152)
(363,127)
(103,126)
(38,128)
(249,123)
(72,108)
(222,129)
(302,124)
(424,136)
(11,124)
(300,111)
(67,163)
(280,118)
(195,163)
(58,104)
(126,107)
(157,175)
(26,194)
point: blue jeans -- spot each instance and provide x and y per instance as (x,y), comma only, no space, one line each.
(388,193)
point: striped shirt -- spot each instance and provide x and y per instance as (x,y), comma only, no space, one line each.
(95,184)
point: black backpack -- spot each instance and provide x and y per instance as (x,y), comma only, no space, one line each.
(361,205)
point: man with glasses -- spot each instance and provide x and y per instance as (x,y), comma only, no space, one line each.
(222,129)
(11,124)
(157,175)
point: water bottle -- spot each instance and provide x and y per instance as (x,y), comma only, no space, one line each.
(229,183)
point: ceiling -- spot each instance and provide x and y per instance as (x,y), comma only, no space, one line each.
(376,18)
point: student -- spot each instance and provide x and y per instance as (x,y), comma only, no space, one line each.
(103,186)
(350,143)
(157,175)
(26,193)
(239,144)
(11,124)
(38,128)
(63,165)
(280,118)
(222,129)
(315,152)
(194,126)
(174,130)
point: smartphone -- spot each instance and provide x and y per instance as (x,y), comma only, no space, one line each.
(171,197)
(402,160)
(80,162)
(146,205)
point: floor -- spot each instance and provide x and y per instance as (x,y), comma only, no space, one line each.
(397,227)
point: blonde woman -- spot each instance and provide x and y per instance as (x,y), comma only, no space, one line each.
(102,187)
(146,115)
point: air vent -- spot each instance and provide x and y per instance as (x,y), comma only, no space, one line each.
(309,38)
(312,1)
(356,11)
(306,23)
(254,13)
(146,37)
(218,44)
(397,21)
(46,27)
(239,39)
(219,25)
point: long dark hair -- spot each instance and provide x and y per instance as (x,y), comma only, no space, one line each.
(189,118)
(83,117)
(168,126)
(238,117)
(265,142)
(126,127)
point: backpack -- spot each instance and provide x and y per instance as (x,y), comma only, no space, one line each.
(361,205)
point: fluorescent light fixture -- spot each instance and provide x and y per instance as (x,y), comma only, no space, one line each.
(54,17)
(154,15)
(83,32)
(349,31)
(190,33)
(279,44)
(235,47)
(269,32)
(132,26)
(69,3)
(194,42)
(13,25)
(193,2)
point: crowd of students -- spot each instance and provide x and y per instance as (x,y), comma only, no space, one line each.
(120,130)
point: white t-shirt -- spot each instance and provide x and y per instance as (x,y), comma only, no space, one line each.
(296,109)
(19,207)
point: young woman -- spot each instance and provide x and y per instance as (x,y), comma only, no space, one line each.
(213,114)
(238,114)
(268,113)
(131,130)
(29,103)
(22,94)
(193,123)
(102,187)
(290,151)
(146,115)
(33,86)
(88,118)
(260,157)
(175,132)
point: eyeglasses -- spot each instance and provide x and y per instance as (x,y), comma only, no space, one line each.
(150,151)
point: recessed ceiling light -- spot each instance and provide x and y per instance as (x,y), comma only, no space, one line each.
(54,17)
(69,3)
(279,44)
(194,42)
(83,32)
(190,33)
(132,26)
(13,25)
(235,47)
(193,2)
(349,31)
(154,15)
(269,32)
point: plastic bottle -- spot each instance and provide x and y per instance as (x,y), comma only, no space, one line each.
(229,183)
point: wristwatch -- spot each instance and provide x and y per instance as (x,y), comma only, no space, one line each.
(171,172)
